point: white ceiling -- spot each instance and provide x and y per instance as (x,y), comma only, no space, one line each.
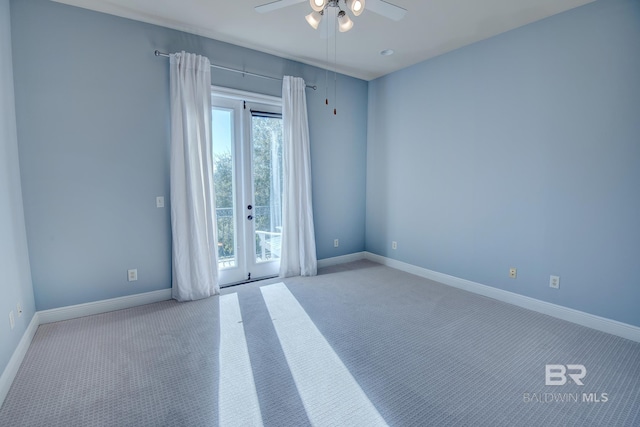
(430,28)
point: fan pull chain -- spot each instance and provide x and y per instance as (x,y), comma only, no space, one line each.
(326,70)
(335,69)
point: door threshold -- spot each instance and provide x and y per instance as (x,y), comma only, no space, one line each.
(244,282)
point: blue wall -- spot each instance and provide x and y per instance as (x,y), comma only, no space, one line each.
(92,105)
(519,151)
(15,277)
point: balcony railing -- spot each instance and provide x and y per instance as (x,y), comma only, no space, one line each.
(226,244)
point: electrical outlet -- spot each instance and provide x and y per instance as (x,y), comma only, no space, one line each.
(513,272)
(394,245)
(554,282)
(11,320)
(132,275)
(19,306)
(336,243)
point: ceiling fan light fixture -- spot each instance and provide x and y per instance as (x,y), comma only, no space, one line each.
(318,5)
(344,22)
(314,19)
(356,6)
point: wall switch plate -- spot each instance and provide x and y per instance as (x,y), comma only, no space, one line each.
(19,311)
(554,282)
(394,245)
(132,275)
(11,320)
(336,243)
(159,202)
(513,272)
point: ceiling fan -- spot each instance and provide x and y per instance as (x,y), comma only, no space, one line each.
(337,17)
(356,7)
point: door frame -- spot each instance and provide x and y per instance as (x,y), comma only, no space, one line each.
(240,101)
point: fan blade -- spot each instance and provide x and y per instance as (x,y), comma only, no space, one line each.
(275,5)
(385,9)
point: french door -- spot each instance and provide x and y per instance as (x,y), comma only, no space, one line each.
(247,148)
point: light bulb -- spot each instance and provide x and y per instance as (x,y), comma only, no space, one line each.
(314,19)
(344,22)
(318,5)
(356,6)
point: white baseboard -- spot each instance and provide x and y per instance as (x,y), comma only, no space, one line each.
(16,359)
(67,313)
(603,324)
(104,306)
(327,262)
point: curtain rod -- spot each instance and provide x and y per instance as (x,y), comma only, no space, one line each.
(233,70)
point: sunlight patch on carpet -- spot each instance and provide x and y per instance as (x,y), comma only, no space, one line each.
(238,400)
(330,394)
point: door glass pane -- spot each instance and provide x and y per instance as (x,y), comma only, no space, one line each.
(223,172)
(266,154)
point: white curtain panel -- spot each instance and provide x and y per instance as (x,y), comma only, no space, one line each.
(193,221)
(298,255)
(276,185)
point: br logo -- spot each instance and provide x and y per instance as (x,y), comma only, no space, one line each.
(557,374)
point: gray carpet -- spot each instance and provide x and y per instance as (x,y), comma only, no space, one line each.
(421,352)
